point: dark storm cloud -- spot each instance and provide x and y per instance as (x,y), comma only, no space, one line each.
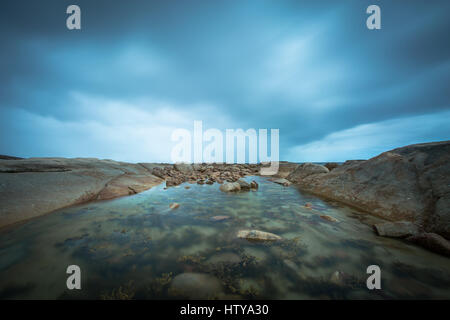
(309,68)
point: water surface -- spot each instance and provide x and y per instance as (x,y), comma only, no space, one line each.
(137,248)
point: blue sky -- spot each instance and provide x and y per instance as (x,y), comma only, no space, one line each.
(140,69)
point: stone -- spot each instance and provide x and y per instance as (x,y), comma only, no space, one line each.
(33,187)
(244,185)
(282,181)
(174,205)
(411,183)
(399,229)
(329,218)
(185,168)
(331,165)
(230,187)
(257,235)
(254,185)
(305,170)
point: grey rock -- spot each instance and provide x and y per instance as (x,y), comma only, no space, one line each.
(399,229)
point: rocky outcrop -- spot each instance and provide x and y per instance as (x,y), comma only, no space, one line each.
(33,187)
(405,184)
(305,170)
(399,229)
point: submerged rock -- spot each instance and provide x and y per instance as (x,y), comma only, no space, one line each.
(230,187)
(220,218)
(174,205)
(399,229)
(257,235)
(282,181)
(195,285)
(254,185)
(432,242)
(329,218)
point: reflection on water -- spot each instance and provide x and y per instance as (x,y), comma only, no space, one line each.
(138,248)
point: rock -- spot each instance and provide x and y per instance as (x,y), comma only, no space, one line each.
(225,257)
(308,205)
(257,235)
(399,229)
(200,181)
(174,205)
(282,181)
(432,242)
(331,165)
(220,218)
(185,168)
(209,181)
(329,218)
(230,187)
(411,183)
(33,187)
(306,169)
(254,185)
(187,187)
(285,169)
(195,285)
(244,185)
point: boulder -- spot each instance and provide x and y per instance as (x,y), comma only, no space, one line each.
(244,185)
(306,169)
(405,184)
(331,165)
(254,185)
(399,229)
(257,235)
(230,187)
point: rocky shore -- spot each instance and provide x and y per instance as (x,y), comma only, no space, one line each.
(409,186)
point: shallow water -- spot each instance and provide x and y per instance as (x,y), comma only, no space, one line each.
(136,247)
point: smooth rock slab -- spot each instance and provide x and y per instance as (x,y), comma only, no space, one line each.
(230,187)
(257,235)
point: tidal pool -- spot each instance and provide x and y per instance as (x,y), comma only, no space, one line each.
(136,247)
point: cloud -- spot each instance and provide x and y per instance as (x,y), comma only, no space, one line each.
(368,140)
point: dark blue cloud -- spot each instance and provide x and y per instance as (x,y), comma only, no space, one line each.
(310,68)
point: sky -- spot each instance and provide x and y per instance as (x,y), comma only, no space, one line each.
(138,70)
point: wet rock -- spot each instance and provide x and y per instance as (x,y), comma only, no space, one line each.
(331,165)
(220,218)
(254,185)
(329,218)
(282,181)
(257,235)
(411,183)
(187,187)
(306,169)
(185,168)
(200,181)
(209,181)
(33,187)
(195,285)
(230,187)
(244,185)
(432,242)
(308,205)
(174,205)
(399,229)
